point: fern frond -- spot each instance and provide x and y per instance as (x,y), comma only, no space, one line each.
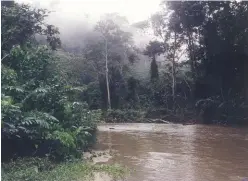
(39,92)
(41,119)
(13,90)
(33,121)
(75,89)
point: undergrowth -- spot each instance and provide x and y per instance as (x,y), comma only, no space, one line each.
(36,169)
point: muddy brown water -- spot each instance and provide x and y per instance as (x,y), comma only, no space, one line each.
(174,152)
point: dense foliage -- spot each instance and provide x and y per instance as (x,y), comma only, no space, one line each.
(198,64)
(41,113)
(216,37)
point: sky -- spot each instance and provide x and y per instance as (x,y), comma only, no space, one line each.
(134,10)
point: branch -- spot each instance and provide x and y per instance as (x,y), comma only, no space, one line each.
(4,57)
(187,83)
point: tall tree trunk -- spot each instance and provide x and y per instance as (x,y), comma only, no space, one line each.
(173,82)
(192,62)
(107,77)
(246,80)
(173,69)
(191,53)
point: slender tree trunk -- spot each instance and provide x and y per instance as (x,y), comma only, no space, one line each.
(107,77)
(246,80)
(192,63)
(191,53)
(173,82)
(173,69)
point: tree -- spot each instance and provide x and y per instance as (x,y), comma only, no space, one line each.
(114,47)
(190,17)
(21,23)
(153,49)
(154,70)
(164,26)
(212,38)
(104,28)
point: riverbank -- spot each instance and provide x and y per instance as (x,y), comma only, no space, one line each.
(166,116)
(161,115)
(37,169)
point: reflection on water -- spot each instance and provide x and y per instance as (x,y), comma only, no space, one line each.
(172,152)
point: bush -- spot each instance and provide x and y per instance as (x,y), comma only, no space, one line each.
(215,110)
(123,116)
(156,112)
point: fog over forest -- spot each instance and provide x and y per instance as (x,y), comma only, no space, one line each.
(76,19)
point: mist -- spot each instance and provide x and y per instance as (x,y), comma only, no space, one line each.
(76,19)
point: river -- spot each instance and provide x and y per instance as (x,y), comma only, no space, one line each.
(174,152)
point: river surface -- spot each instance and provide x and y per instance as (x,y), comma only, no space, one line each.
(174,152)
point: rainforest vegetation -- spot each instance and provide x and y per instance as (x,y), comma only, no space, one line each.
(195,68)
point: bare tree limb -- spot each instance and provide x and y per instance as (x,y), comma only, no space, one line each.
(4,57)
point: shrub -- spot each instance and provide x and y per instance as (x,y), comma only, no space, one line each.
(156,112)
(123,116)
(217,110)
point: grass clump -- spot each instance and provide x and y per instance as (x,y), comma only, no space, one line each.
(36,169)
